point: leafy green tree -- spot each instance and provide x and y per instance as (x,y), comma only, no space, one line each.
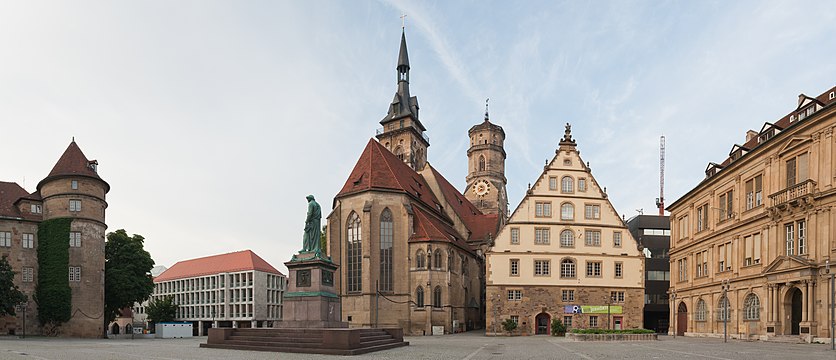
(161,309)
(509,325)
(10,295)
(127,272)
(322,240)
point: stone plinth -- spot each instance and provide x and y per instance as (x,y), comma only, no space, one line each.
(311,300)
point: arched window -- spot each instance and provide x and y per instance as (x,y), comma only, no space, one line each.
(386,255)
(567,211)
(723,309)
(419,259)
(567,185)
(450,260)
(437,259)
(567,268)
(354,252)
(419,297)
(701,310)
(752,307)
(437,297)
(481,163)
(399,152)
(464,266)
(567,238)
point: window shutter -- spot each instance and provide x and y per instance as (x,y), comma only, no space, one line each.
(757,240)
(748,243)
(802,167)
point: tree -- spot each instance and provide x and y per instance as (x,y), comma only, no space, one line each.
(127,273)
(509,325)
(10,295)
(323,244)
(161,309)
(558,329)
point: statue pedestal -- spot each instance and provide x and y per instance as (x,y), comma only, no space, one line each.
(311,301)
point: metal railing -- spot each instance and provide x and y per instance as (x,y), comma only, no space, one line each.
(796,191)
(381,130)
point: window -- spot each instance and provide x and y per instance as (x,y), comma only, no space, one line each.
(515,267)
(567,162)
(581,184)
(386,254)
(35,209)
(616,239)
(797,169)
(74,184)
(790,239)
(542,209)
(754,192)
(482,163)
(419,297)
(567,238)
(75,273)
(567,211)
(619,270)
(702,218)
(592,211)
(552,183)
(683,269)
(593,269)
(515,235)
(541,235)
(752,251)
(684,227)
(75,239)
(28,274)
(437,297)
(726,205)
(399,152)
(662,232)
(700,315)
(5,238)
(541,267)
(723,309)
(802,237)
(617,296)
(515,319)
(796,231)
(568,295)
(437,259)
(450,260)
(592,238)
(752,307)
(702,263)
(659,275)
(567,184)
(567,268)
(28,241)
(75,205)
(514,295)
(593,321)
(567,321)
(724,257)
(420,260)
(354,252)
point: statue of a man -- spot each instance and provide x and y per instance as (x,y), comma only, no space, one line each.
(310,242)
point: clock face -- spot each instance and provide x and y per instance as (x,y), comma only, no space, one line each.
(481,187)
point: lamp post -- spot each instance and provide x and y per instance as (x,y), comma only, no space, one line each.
(675,312)
(832,303)
(725,286)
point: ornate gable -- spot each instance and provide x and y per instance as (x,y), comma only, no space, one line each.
(788,263)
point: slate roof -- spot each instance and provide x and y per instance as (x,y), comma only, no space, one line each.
(232,262)
(10,193)
(73,163)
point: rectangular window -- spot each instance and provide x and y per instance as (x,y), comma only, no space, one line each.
(5,239)
(593,321)
(568,295)
(542,267)
(515,267)
(75,273)
(791,172)
(35,209)
(619,270)
(658,275)
(757,248)
(593,269)
(758,190)
(581,184)
(542,209)
(616,239)
(592,237)
(790,239)
(541,235)
(515,235)
(514,295)
(617,296)
(74,184)
(726,205)
(702,218)
(28,274)
(802,237)
(515,319)
(683,269)
(552,183)
(75,205)
(592,211)
(567,321)
(28,241)
(684,227)
(75,239)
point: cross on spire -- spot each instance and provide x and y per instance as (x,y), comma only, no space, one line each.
(403,20)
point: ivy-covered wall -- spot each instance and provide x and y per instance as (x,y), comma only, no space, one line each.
(53,294)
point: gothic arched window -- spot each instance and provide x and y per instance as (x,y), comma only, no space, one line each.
(723,309)
(701,310)
(481,163)
(419,297)
(437,259)
(399,152)
(419,259)
(437,297)
(752,307)
(354,250)
(449,260)
(386,255)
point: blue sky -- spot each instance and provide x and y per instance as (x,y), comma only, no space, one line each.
(212,120)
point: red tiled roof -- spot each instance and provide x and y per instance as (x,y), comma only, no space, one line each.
(430,228)
(9,194)
(378,168)
(480,225)
(73,162)
(231,262)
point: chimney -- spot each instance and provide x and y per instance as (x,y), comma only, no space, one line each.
(751,134)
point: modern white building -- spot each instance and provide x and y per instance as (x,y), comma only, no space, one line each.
(237,289)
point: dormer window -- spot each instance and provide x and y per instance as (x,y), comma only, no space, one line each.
(93,165)
(792,118)
(35,209)
(832,95)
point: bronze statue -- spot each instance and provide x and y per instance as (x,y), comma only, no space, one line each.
(310,241)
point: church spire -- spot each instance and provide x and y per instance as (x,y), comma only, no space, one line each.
(403,58)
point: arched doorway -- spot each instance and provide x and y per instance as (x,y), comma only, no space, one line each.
(542,321)
(795,311)
(681,319)
(129,329)
(114,329)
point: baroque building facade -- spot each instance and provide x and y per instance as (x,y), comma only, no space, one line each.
(409,245)
(750,242)
(72,190)
(565,254)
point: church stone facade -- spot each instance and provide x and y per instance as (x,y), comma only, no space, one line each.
(410,246)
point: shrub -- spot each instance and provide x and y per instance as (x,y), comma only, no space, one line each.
(509,325)
(558,329)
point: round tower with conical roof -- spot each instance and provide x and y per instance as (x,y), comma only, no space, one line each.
(486,168)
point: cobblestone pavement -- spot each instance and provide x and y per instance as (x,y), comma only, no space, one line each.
(461,346)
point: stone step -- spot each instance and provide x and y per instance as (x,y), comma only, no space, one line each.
(276,331)
(282,339)
(273,343)
(289,349)
(377,342)
(375,337)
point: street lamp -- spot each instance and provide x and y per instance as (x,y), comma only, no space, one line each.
(675,312)
(725,286)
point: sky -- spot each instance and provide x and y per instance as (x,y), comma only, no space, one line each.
(212,120)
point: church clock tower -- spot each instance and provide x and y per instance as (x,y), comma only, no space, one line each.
(486,169)
(402,132)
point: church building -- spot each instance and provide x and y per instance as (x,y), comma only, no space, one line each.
(410,246)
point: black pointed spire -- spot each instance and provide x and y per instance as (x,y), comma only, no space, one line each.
(403,57)
(403,104)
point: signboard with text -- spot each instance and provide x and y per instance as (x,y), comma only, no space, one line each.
(592,309)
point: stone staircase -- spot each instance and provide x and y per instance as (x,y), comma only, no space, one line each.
(312,341)
(787,339)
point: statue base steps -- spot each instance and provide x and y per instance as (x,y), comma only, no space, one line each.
(331,341)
